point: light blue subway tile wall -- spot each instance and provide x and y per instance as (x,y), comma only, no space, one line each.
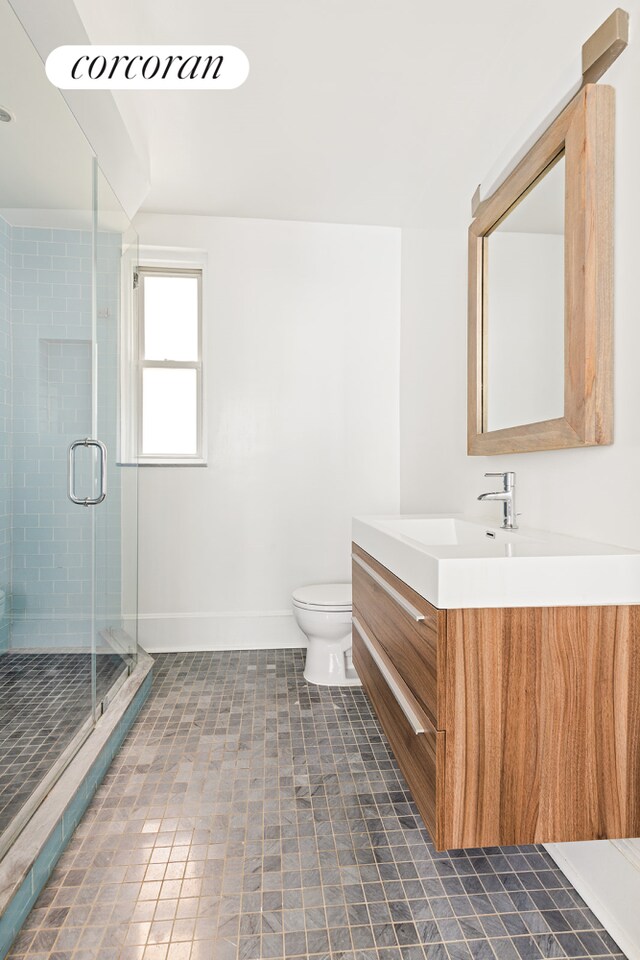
(53,539)
(5,431)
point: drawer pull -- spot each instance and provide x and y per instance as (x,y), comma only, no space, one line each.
(399,599)
(391,683)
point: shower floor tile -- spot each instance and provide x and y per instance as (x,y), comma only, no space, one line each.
(44,700)
(249,815)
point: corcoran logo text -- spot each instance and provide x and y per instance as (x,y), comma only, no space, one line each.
(147,67)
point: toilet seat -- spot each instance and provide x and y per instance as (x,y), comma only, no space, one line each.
(324,597)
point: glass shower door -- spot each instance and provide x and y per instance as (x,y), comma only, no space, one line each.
(47,691)
(62,576)
(68,592)
(116,519)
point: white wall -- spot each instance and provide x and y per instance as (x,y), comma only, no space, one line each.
(590,492)
(302,365)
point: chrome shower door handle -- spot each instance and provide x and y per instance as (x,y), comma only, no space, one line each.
(71,474)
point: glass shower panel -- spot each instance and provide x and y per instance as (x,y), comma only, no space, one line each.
(47,660)
(116,559)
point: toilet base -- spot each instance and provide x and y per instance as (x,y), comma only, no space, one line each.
(328,663)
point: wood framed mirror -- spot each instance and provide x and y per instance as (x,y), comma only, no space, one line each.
(541,291)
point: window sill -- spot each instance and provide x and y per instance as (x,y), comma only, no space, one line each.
(158,462)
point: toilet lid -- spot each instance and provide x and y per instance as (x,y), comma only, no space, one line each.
(334,596)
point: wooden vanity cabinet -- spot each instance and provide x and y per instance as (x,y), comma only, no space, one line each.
(511,726)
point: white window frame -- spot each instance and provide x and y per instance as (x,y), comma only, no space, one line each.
(156,263)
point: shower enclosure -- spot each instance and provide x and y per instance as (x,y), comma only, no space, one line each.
(68,508)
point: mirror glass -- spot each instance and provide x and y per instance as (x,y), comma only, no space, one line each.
(523,333)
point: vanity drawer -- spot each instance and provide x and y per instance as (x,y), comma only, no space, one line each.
(392,611)
(420,755)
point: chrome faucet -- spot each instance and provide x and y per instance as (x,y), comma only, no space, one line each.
(507,496)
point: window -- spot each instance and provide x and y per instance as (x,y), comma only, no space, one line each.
(169,368)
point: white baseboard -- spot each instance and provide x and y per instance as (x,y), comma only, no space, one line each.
(185,632)
(609,883)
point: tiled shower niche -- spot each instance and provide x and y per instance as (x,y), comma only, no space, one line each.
(65,387)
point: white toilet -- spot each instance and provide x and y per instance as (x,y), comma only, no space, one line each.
(323,613)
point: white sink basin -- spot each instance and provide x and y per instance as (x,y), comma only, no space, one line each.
(456,562)
(440,531)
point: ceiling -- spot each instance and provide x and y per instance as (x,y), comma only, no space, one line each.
(355,111)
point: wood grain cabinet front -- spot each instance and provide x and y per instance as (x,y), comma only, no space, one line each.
(405,625)
(414,740)
(511,726)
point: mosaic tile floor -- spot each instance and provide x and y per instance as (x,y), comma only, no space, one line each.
(249,815)
(44,700)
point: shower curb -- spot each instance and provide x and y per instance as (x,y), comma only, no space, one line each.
(28,864)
